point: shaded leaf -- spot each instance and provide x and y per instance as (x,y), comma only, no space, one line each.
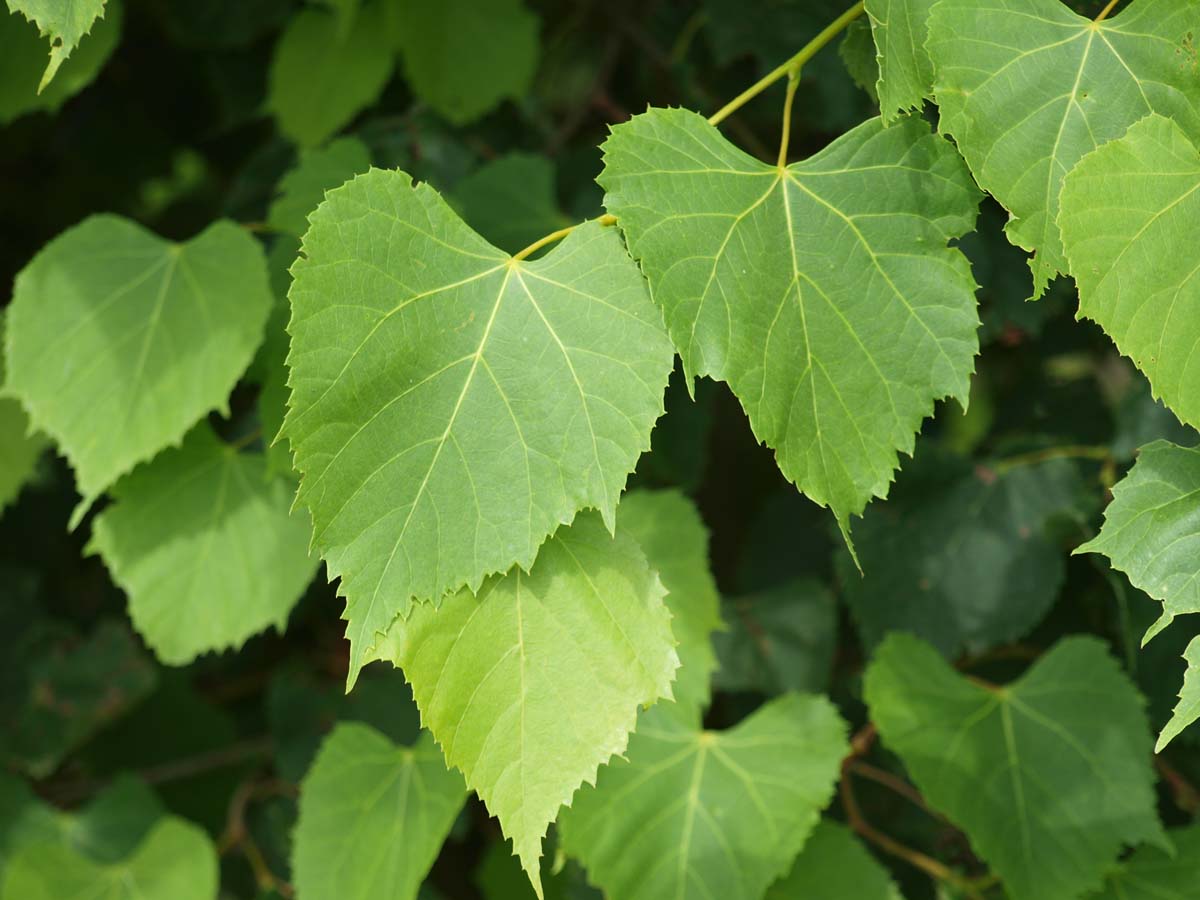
(303,188)
(834,866)
(510,200)
(1152,874)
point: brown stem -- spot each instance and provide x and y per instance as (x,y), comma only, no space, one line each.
(237,835)
(891,782)
(1186,797)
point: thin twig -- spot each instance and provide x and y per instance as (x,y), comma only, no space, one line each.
(1071,451)
(893,783)
(1186,797)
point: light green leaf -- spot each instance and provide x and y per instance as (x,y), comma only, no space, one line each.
(1128,212)
(24,56)
(205,547)
(373,816)
(176,861)
(451,406)
(900,28)
(668,528)
(1048,776)
(303,188)
(702,814)
(463,57)
(64,22)
(1152,874)
(532,685)
(1187,710)
(1152,529)
(146,338)
(1027,87)
(960,554)
(510,200)
(823,293)
(322,75)
(834,866)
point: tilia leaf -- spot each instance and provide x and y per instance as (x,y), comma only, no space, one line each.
(535,682)
(451,405)
(1130,212)
(1048,776)
(372,816)
(694,814)
(206,548)
(1027,87)
(900,28)
(146,338)
(834,866)
(64,22)
(1152,533)
(822,292)
(1153,874)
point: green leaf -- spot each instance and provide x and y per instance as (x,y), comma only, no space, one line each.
(1152,874)
(373,816)
(20,448)
(458,405)
(1152,529)
(1048,776)
(823,293)
(64,22)
(1026,88)
(834,866)
(1127,211)
(176,861)
(857,50)
(668,528)
(23,61)
(702,814)
(148,336)
(510,200)
(303,188)
(780,638)
(533,684)
(322,76)
(900,28)
(1187,710)
(205,547)
(961,555)
(463,57)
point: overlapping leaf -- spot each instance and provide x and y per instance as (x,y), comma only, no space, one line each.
(823,292)
(64,22)
(1128,212)
(535,682)
(303,188)
(451,406)
(900,28)
(1153,874)
(1028,87)
(960,555)
(145,337)
(19,448)
(834,866)
(372,816)
(510,200)
(323,74)
(206,548)
(1048,776)
(1187,710)
(694,814)
(463,57)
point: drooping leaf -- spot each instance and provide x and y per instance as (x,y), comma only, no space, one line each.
(24,59)
(535,682)
(206,548)
(961,555)
(1127,211)
(668,528)
(900,28)
(823,293)
(510,200)
(780,638)
(1152,529)
(372,816)
(834,866)
(148,337)
(463,57)
(1028,87)
(322,75)
(1152,874)
(1187,710)
(303,188)
(1048,776)
(451,406)
(176,860)
(64,22)
(701,814)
